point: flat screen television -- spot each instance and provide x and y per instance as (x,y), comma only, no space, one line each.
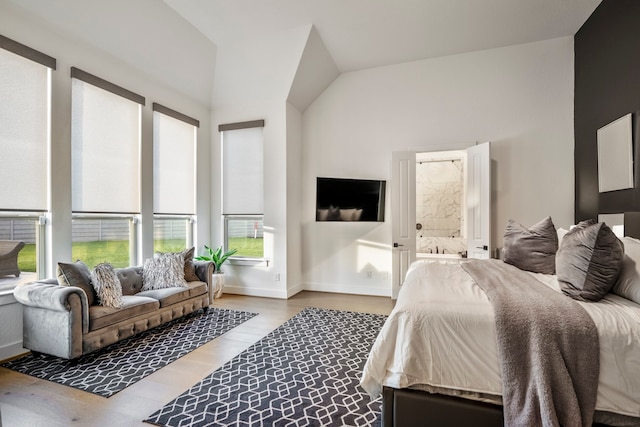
(346,199)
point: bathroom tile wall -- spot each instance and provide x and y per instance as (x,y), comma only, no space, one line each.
(439,195)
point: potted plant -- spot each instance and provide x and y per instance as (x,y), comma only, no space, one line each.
(218,258)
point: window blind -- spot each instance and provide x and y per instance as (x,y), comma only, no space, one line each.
(242,171)
(174,165)
(105,139)
(24,131)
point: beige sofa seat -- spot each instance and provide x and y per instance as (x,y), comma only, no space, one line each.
(169,296)
(132,306)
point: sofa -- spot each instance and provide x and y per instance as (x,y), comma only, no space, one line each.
(63,317)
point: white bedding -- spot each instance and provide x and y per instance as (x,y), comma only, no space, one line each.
(441,333)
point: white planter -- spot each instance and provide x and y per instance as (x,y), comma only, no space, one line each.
(217,282)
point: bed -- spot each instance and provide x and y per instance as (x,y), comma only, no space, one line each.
(436,360)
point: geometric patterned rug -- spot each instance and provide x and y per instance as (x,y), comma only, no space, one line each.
(107,371)
(304,373)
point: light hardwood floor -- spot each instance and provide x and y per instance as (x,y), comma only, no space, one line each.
(28,401)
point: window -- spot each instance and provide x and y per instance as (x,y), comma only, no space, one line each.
(103,239)
(25,104)
(105,169)
(242,187)
(174,179)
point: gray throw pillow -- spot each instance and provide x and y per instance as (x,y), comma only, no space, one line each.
(107,285)
(333,214)
(163,271)
(589,261)
(531,249)
(77,274)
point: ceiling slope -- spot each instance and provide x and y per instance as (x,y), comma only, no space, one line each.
(148,35)
(314,74)
(363,34)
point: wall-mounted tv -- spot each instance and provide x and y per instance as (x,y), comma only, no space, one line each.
(345,199)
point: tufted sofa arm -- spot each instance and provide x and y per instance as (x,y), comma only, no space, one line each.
(204,271)
(54,317)
(52,296)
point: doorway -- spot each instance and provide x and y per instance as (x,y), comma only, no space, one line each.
(476,217)
(440,204)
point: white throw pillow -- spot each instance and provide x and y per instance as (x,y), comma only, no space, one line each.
(107,285)
(163,271)
(628,283)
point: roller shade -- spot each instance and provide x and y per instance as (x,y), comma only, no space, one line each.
(24,129)
(242,171)
(174,165)
(105,150)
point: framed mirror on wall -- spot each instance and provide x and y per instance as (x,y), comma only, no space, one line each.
(615,155)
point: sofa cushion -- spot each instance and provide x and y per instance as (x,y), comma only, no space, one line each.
(164,271)
(132,306)
(77,274)
(107,285)
(130,279)
(168,296)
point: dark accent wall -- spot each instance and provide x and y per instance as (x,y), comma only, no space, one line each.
(607,86)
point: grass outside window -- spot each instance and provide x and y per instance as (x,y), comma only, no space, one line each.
(116,252)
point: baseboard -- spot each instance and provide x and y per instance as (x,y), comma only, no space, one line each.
(10,351)
(317,287)
(347,289)
(255,292)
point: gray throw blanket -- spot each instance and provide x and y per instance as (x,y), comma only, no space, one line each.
(548,348)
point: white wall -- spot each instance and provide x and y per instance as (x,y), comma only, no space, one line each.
(249,278)
(519,97)
(253,79)
(32,31)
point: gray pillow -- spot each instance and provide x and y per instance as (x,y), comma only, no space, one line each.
(77,274)
(333,214)
(532,249)
(589,261)
(107,285)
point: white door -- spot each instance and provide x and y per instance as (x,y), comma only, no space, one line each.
(403,216)
(478,188)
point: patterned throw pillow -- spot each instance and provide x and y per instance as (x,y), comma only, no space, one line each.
(107,285)
(166,270)
(189,267)
(77,274)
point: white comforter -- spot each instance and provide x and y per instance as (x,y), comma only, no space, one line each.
(441,333)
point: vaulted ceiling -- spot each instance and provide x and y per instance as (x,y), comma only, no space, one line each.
(179,42)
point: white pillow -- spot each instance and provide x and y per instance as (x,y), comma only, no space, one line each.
(561,232)
(322,214)
(628,283)
(350,214)
(107,285)
(163,271)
